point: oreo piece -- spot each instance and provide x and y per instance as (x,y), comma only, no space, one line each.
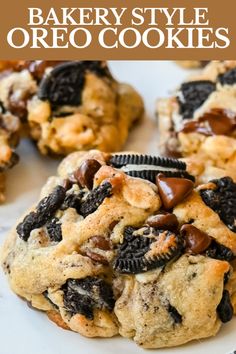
(145,249)
(135,165)
(121,160)
(192,95)
(53,228)
(228,78)
(222,199)
(95,198)
(65,83)
(151,175)
(45,210)
(221,252)
(84,295)
(225,309)
(73,200)
(176,316)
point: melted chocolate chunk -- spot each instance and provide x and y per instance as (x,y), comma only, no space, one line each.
(95,199)
(53,228)
(65,83)
(222,199)
(219,251)
(86,172)
(192,95)
(176,316)
(215,122)
(173,190)
(45,210)
(196,241)
(228,78)
(225,309)
(84,295)
(145,249)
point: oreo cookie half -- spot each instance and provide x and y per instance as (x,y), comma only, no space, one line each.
(148,167)
(145,249)
(222,199)
(64,84)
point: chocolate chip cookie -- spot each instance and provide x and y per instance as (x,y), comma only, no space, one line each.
(200,120)
(125,243)
(70,106)
(9,138)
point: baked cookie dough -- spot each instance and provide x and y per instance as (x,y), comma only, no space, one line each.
(200,121)
(125,244)
(9,137)
(192,64)
(70,106)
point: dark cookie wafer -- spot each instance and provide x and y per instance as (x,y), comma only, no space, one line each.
(192,95)
(132,164)
(44,212)
(84,295)
(150,175)
(145,249)
(222,199)
(228,78)
(120,160)
(64,84)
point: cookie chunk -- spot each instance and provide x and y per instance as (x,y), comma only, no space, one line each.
(200,120)
(106,252)
(72,105)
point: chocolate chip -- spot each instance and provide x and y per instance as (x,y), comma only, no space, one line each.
(101,242)
(173,190)
(96,257)
(163,221)
(86,172)
(225,309)
(196,241)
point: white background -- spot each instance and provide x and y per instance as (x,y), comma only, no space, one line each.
(25,331)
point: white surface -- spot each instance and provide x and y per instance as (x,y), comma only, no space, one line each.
(24,331)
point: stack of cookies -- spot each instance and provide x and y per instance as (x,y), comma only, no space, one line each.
(123,243)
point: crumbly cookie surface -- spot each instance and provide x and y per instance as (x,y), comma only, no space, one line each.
(192,64)
(106,253)
(199,122)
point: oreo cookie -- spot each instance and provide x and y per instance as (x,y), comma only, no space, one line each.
(148,167)
(222,199)
(192,95)
(145,249)
(64,84)
(84,295)
(228,78)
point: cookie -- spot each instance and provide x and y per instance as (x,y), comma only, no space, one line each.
(104,253)
(71,105)
(199,122)
(192,64)
(9,138)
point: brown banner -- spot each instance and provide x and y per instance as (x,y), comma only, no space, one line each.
(111,29)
